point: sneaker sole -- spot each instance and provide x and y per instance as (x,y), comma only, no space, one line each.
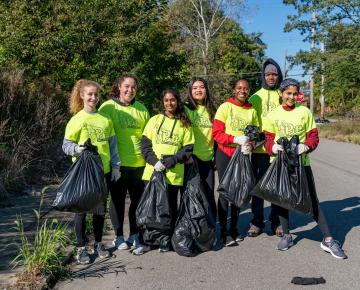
(326,249)
(285,249)
(231,244)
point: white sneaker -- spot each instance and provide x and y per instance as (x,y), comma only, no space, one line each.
(120,243)
(141,249)
(164,249)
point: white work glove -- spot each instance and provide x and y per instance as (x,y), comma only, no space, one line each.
(241,140)
(115,174)
(79,148)
(302,148)
(276,148)
(246,149)
(159,167)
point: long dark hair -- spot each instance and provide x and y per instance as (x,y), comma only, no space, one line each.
(180,111)
(209,105)
(115,91)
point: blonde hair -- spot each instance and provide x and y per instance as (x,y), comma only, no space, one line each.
(76,103)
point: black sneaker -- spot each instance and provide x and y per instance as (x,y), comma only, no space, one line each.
(100,250)
(333,247)
(82,256)
(229,241)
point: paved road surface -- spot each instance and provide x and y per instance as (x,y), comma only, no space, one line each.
(255,264)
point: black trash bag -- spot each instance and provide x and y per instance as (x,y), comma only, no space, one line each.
(255,136)
(285,182)
(238,179)
(83,188)
(195,226)
(153,214)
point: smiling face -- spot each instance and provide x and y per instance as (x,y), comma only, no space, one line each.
(198,92)
(90,97)
(127,90)
(170,104)
(289,96)
(241,91)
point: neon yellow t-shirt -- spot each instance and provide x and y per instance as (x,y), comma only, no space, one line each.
(202,128)
(168,136)
(236,118)
(284,123)
(264,101)
(96,126)
(129,123)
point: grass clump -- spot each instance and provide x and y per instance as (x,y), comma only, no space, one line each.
(44,258)
(341,130)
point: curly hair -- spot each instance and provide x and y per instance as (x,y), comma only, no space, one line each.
(180,111)
(76,103)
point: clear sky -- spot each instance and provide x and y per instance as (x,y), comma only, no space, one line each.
(269,18)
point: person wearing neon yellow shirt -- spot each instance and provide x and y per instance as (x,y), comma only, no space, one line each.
(201,111)
(230,120)
(167,143)
(288,120)
(264,101)
(87,123)
(129,117)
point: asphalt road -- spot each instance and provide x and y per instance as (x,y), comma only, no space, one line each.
(255,264)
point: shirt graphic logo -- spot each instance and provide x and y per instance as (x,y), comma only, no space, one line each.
(265,110)
(287,129)
(201,122)
(128,122)
(163,137)
(237,123)
(95,133)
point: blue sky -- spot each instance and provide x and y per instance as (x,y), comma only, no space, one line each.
(269,17)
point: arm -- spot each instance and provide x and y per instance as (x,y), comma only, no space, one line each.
(184,154)
(312,139)
(219,134)
(114,155)
(269,142)
(70,147)
(147,151)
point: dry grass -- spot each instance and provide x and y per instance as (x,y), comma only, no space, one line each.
(342,130)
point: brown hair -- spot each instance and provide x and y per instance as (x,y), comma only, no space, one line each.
(76,103)
(115,92)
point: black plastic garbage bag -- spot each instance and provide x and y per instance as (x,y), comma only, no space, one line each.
(285,183)
(238,179)
(153,214)
(83,188)
(255,136)
(195,226)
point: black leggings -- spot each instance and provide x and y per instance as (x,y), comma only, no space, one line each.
(97,220)
(206,171)
(260,163)
(318,216)
(130,182)
(222,161)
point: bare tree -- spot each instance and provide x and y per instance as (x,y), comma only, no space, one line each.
(201,20)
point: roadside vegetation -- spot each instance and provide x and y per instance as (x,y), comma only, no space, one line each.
(342,130)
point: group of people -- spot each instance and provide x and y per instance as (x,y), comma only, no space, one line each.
(132,146)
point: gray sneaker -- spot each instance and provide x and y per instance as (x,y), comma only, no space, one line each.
(285,243)
(133,241)
(333,247)
(119,243)
(229,241)
(141,249)
(82,256)
(100,250)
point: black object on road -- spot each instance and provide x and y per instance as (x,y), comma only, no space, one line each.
(308,280)
(195,226)
(153,214)
(285,183)
(238,179)
(83,188)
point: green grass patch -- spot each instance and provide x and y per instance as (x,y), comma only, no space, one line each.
(342,130)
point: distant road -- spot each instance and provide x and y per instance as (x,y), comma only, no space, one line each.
(255,264)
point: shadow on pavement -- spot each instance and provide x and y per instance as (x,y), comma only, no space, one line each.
(342,216)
